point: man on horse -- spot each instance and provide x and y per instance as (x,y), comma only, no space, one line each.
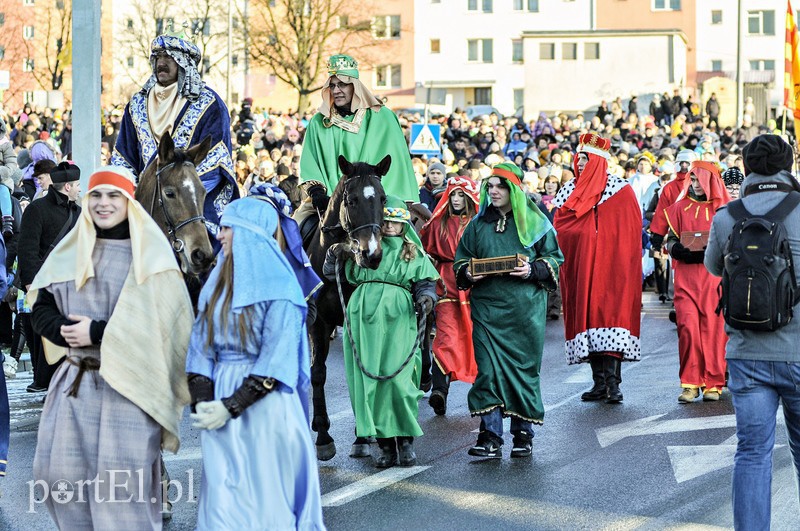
(177,101)
(352,122)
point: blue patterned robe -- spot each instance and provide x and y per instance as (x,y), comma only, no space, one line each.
(136,147)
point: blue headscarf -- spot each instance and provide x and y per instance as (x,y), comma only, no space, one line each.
(308,279)
(260,270)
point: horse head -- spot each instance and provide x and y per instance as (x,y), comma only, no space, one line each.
(359,198)
(171,191)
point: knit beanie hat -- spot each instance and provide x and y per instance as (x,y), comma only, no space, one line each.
(768,155)
(732,176)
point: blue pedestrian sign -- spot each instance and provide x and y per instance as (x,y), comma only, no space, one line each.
(426,139)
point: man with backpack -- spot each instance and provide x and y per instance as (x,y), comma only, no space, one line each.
(763,365)
(701,336)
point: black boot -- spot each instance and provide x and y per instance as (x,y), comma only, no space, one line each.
(611,366)
(405,451)
(598,392)
(387,453)
(441,386)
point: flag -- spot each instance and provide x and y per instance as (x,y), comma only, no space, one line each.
(791,77)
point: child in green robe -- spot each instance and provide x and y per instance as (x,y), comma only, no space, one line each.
(381,352)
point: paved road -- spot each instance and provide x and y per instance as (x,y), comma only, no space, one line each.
(649,463)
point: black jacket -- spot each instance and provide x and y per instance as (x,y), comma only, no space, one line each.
(41,223)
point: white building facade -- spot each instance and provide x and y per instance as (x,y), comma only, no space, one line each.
(471,52)
(763,36)
(574,70)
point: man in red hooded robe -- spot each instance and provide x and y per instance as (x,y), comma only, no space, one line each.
(599,225)
(701,332)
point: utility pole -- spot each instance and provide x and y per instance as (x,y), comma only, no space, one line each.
(86,83)
(739,81)
(228,90)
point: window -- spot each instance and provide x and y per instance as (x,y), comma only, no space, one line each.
(666,5)
(27,2)
(480,50)
(60,5)
(206,65)
(547,51)
(386,27)
(472,5)
(435,46)
(2,18)
(164,24)
(201,25)
(27,32)
(569,51)
(27,65)
(716,16)
(388,76)
(591,51)
(235,60)
(129,23)
(716,65)
(761,22)
(2,52)
(483,96)
(27,96)
(130,62)
(516,50)
(342,21)
(531,5)
(487,6)
(762,64)
(519,98)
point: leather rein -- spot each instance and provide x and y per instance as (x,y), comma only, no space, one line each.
(178,245)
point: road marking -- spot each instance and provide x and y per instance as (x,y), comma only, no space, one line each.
(649,426)
(369,484)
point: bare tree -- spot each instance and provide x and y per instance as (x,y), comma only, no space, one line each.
(149,18)
(294,38)
(50,47)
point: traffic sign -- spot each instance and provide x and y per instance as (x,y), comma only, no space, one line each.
(426,139)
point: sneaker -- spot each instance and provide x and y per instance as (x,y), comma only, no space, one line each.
(488,445)
(35,388)
(711,395)
(10,368)
(438,401)
(688,395)
(523,445)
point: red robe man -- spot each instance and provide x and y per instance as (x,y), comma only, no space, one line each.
(599,226)
(453,353)
(671,192)
(701,332)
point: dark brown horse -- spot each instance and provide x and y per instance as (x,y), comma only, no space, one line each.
(354,215)
(172,193)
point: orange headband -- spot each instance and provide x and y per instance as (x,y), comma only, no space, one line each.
(109,178)
(500,172)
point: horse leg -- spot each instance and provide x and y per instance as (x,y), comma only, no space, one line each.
(320,422)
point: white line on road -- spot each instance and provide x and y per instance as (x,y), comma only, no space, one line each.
(369,485)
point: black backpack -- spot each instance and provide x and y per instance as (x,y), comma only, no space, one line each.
(759,287)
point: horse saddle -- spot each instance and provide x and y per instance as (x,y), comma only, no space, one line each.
(308,227)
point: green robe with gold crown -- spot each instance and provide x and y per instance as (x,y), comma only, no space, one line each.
(508,316)
(379,134)
(384,327)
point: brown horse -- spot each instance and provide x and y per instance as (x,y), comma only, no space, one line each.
(354,215)
(172,193)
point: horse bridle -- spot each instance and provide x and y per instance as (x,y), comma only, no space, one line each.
(344,222)
(172,228)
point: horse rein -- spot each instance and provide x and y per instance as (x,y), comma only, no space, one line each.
(178,245)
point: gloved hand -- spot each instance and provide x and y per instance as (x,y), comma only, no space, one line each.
(210,415)
(539,270)
(425,304)
(319,199)
(340,250)
(679,252)
(657,241)
(695,257)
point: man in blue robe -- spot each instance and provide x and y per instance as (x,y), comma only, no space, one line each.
(176,100)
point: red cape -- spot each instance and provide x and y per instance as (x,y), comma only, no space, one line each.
(601,278)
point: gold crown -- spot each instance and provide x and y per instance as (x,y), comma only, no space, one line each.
(183,33)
